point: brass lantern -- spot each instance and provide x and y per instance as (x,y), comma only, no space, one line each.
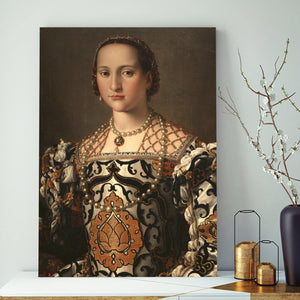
(246,254)
(266,271)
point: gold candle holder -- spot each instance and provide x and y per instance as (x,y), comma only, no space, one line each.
(266,274)
(266,271)
(246,254)
(246,259)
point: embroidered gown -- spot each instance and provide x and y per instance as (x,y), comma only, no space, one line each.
(105,231)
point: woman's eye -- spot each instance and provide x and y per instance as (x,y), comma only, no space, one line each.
(104,73)
(128,73)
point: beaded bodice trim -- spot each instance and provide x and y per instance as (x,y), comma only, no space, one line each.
(177,139)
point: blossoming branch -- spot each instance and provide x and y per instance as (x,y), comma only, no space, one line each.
(276,159)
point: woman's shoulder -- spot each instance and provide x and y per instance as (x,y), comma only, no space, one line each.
(176,131)
(186,146)
(177,135)
(94,142)
(180,139)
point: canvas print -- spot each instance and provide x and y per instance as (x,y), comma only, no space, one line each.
(127,152)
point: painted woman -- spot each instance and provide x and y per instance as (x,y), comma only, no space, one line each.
(137,197)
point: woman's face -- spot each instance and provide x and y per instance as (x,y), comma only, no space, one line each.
(121,81)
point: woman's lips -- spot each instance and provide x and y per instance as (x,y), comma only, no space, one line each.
(116,97)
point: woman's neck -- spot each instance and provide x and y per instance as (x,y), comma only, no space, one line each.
(127,121)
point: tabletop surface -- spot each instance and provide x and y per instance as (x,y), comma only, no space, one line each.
(28,284)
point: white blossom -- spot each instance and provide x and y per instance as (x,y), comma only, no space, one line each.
(272,97)
(283,146)
(294,148)
(251,142)
(263,82)
(294,192)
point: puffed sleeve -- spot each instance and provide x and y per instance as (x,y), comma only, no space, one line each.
(195,191)
(62,233)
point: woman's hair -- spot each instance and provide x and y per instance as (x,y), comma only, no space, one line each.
(145,56)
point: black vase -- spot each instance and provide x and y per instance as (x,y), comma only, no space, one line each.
(290,238)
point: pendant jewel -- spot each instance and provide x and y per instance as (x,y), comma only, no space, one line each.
(119,141)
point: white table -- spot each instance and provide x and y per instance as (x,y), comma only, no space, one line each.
(28,284)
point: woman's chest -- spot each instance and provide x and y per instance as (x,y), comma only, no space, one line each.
(127,221)
(125,190)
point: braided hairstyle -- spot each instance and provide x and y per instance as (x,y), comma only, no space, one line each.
(146,59)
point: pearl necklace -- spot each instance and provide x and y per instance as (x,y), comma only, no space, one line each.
(119,140)
(143,196)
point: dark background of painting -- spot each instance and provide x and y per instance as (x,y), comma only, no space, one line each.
(69,109)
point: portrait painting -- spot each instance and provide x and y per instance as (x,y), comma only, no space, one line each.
(127,152)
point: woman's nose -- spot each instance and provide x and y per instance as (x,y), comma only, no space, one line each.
(115,84)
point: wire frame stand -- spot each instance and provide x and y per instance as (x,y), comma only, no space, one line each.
(266,271)
(245,260)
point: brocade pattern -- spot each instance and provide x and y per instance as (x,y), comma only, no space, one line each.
(172,232)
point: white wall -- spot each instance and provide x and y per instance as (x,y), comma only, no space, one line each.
(259,28)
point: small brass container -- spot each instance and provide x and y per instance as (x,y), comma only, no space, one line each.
(266,271)
(246,259)
(266,274)
(246,254)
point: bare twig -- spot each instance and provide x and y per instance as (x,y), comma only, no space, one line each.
(284,99)
(275,64)
(293,103)
(282,64)
(246,80)
(262,71)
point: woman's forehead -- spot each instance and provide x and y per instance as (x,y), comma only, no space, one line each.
(115,54)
